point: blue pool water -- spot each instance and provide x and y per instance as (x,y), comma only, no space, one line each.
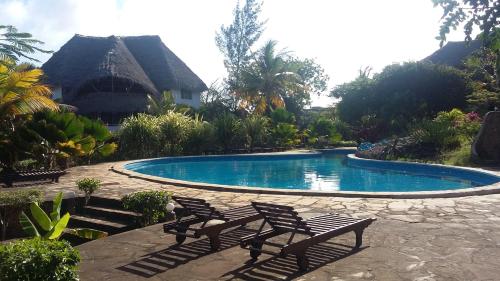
(321,172)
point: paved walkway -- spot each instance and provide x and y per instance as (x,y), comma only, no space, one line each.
(429,239)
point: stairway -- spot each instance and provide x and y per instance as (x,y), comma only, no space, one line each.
(104,214)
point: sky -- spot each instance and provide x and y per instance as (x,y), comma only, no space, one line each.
(342,36)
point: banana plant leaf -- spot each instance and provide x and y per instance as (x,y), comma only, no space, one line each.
(28,227)
(56,208)
(58,228)
(40,217)
(87,233)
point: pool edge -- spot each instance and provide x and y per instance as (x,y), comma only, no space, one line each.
(483,190)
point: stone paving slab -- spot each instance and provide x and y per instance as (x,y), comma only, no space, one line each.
(413,239)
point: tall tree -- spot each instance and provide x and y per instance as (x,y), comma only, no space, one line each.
(268,79)
(15,45)
(481,13)
(236,40)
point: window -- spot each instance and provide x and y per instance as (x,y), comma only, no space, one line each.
(186,95)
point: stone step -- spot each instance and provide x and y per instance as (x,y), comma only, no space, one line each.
(110,203)
(117,215)
(110,227)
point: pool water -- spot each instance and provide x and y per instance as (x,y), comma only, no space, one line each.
(320,172)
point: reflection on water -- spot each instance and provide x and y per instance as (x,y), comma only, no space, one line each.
(325,173)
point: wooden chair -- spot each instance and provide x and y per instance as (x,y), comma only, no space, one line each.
(33,175)
(284,219)
(211,221)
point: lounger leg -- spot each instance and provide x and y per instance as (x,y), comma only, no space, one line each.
(256,246)
(179,237)
(302,261)
(359,238)
(214,241)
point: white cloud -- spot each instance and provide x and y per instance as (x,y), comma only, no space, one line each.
(341,35)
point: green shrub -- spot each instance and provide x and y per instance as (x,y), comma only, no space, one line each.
(89,186)
(285,135)
(37,259)
(139,137)
(12,203)
(151,204)
(201,136)
(227,127)
(281,115)
(174,127)
(255,129)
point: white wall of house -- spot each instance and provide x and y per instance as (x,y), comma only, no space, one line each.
(194,101)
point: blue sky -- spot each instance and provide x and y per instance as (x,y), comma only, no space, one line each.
(342,36)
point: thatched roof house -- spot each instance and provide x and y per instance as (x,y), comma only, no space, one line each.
(110,77)
(453,53)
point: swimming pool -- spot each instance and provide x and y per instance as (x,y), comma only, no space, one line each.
(325,171)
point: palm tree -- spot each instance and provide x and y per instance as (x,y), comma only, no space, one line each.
(268,79)
(21,92)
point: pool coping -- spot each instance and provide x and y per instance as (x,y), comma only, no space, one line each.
(482,190)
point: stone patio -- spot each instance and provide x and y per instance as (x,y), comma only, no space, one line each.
(413,239)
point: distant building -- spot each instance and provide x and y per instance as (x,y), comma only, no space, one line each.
(110,77)
(454,53)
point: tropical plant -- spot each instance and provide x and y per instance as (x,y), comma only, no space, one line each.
(236,41)
(89,186)
(402,94)
(51,227)
(227,127)
(268,79)
(256,129)
(324,128)
(12,202)
(15,44)
(38,259)
(139,137)
(285,135)
(162,105)
(21,91)
(151,204)
(281,115)
(174,128)
(63,135)
(200,136)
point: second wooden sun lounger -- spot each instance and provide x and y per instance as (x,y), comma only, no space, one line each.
(209,221)
(284,219)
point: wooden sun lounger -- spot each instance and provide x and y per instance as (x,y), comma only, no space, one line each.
(33,175)
(284,219)
(198,211)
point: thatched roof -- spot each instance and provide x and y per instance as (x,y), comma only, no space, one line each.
(145,60)
(453,53)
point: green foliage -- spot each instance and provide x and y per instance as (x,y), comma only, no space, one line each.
(12,202)
(139,137)
(37,259)
(50,227)
(285,135)
(201,136)
(402,94)
(255,129)
(163,105)
(66,136)
(89,186)
(15,45)
(174,128)
(236,40)
(471,12)
(268,79)
(151,204)
(324,128)
(227,127)
(281,115)
(458,157)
